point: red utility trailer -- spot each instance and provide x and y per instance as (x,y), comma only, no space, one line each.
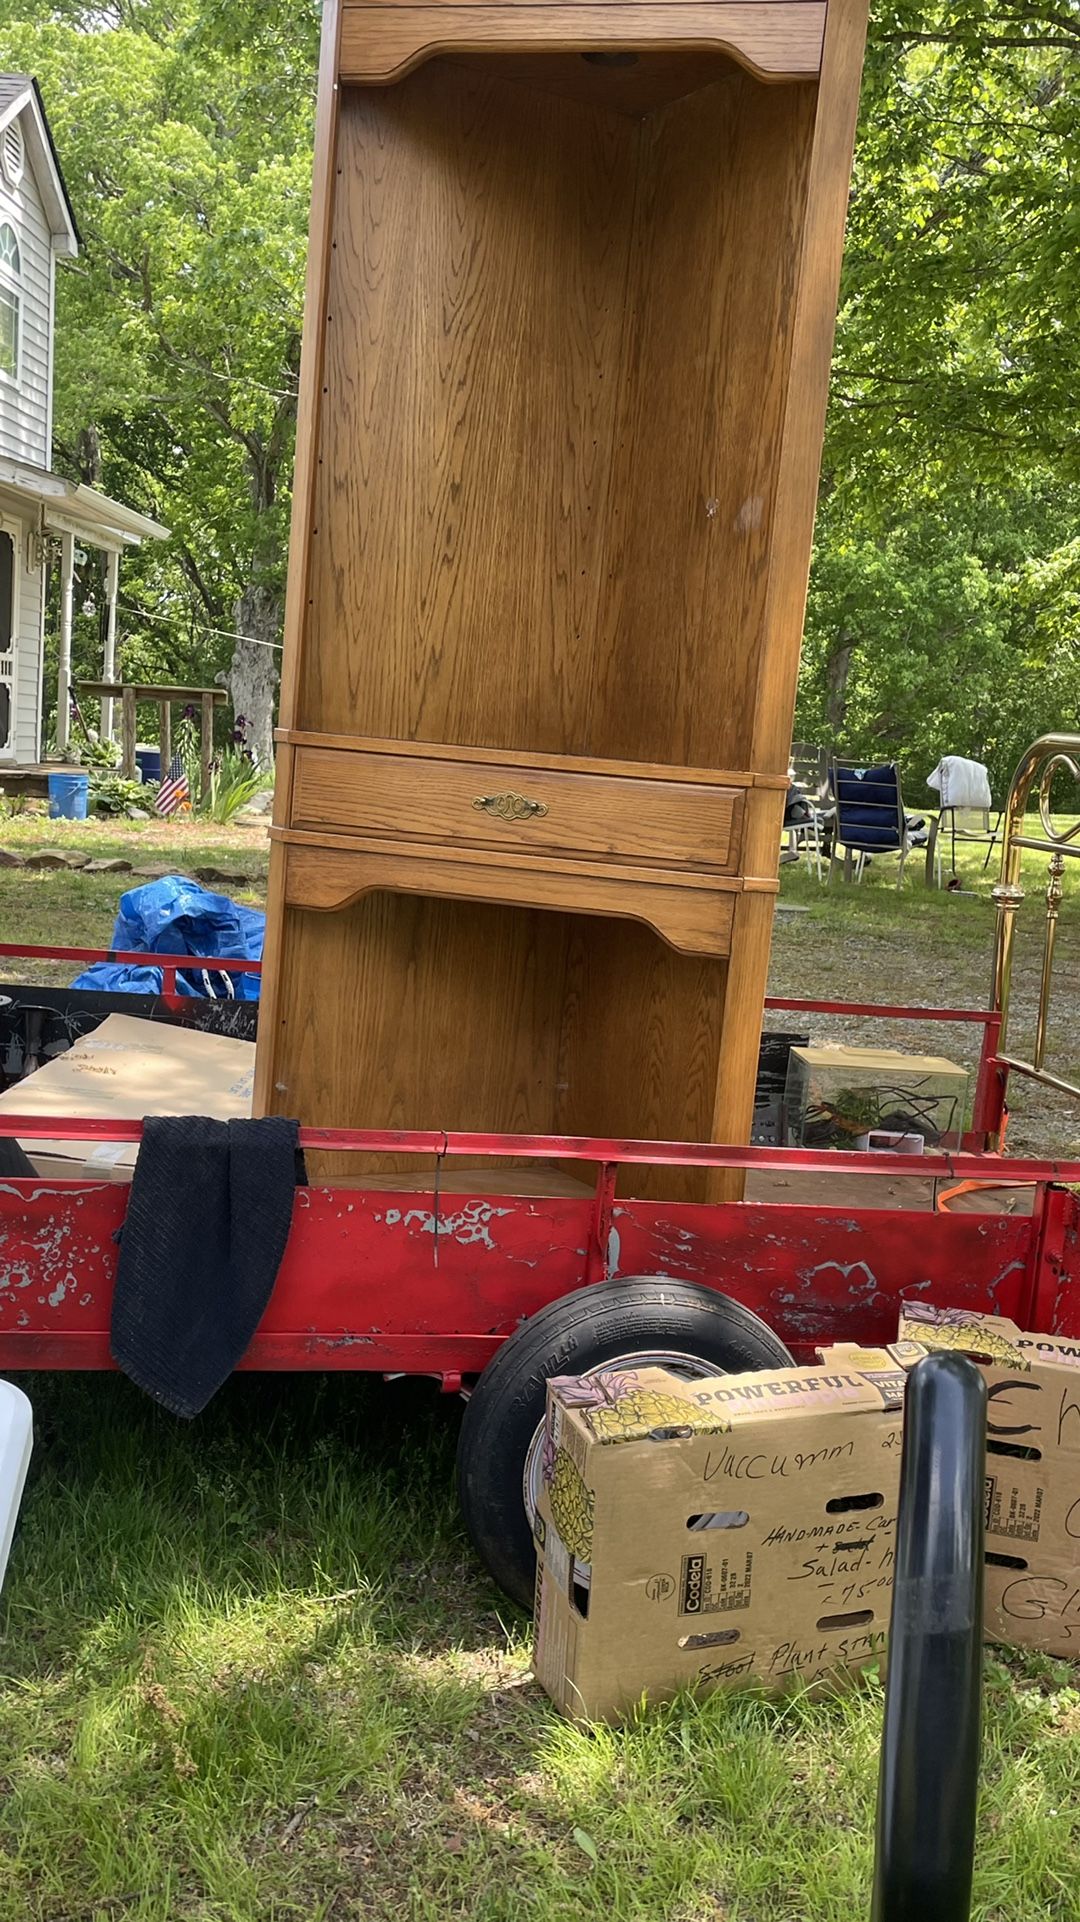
(491,1292)
(432,1282)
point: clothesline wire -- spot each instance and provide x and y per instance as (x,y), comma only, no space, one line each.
(174,620)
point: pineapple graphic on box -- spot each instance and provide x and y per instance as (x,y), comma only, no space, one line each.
(962,1329)
(644,1411)
(571,1506)
(616,1407)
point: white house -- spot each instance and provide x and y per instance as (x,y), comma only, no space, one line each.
(37,507)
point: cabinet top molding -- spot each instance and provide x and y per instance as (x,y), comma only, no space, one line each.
(383,40)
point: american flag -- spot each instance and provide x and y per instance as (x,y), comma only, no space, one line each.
(173,792)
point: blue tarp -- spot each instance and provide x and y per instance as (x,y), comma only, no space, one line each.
(177,916)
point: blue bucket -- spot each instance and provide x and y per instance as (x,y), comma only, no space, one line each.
(69,797)
(148,762)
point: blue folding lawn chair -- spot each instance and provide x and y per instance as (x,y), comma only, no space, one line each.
(870,819)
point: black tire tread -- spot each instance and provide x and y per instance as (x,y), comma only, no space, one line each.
(570,1336)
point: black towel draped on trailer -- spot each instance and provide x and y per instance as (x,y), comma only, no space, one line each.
(203,1238)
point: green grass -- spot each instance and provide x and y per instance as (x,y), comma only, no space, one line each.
(68,908)
(29,829)
(250,1670)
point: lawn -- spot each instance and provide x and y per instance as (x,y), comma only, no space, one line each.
(251,1670)
(74,909)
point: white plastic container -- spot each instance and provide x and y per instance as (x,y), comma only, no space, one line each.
(16,1442)
(880,1141)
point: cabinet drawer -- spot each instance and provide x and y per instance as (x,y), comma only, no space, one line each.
(473,804)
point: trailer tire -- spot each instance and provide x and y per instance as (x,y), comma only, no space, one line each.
(641,1317)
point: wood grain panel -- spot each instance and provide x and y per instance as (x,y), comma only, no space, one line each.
(740,1029)
(669,822)
(804,422)
(303,499)
(308,411)
(278,937)
(694,483)
(565,8)
(773,39)
(428,1014)
(559,515)
(692,917)
(640,1039)
(607,598)
(556,763)
(477,299)
(533,1025)
(656,79)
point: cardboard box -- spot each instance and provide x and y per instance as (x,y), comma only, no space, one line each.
(1032,1471)
(701,1534)
(126,1069)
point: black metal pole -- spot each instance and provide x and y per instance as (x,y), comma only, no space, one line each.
(930,1746)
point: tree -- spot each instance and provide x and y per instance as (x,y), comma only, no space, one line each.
(946,530)
(184,129)
(955,626)
(962,266)
(944,606)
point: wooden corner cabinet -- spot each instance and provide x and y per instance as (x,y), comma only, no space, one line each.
(571,295)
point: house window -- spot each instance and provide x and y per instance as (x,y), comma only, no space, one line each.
(10,300)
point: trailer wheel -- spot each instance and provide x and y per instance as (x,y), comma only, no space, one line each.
(641,1322)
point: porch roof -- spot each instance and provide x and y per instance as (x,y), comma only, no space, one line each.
(72,508)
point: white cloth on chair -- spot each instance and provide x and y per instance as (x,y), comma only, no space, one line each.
(961,783)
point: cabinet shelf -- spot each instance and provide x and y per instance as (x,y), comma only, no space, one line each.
(572,278)
(691,912)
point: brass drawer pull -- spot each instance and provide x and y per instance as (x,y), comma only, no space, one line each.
(510,807)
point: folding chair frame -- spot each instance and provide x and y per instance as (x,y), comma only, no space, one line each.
(855,858)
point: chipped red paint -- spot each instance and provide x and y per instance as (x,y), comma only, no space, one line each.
(828,1273)
(383,1281)
(942,1164)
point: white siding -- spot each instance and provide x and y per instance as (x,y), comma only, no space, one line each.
(25,406)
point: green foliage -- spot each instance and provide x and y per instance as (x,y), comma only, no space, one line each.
(953,624)
(945,604)
(92,752)
(234,779)
(111,794)
(234,782)
(954,341)
(184,130)
(186,746)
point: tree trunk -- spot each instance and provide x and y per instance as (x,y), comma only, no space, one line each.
(252,679)
(89,456)
(837,670)
(254,671)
